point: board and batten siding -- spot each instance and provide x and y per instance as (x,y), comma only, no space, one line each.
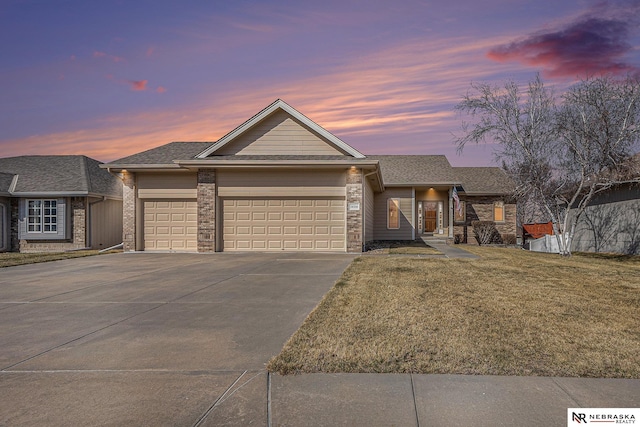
(369,202)
(167,185)
(281,183)
(279,134)
(106,223)
(405,232)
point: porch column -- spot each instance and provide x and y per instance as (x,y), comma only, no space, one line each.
(354,210)
(206,210)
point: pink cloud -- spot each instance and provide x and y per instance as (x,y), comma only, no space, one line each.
(380,102)
(150,51)
(595,43)
(161,89)
(99,54)
(138,85)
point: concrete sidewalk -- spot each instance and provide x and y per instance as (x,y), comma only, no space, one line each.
(259,398)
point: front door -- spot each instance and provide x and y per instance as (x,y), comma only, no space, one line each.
(430,216)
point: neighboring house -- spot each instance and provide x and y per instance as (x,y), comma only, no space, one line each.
(280,182)
(611,222)
(58,203)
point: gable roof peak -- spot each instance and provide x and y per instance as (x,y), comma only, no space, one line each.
(261,115)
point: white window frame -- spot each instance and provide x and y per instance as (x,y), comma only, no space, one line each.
(44,219)
(396,203)
(497,204)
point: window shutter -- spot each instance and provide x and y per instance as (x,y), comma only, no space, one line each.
(62,219)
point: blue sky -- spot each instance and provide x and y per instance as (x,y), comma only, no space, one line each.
(111,78)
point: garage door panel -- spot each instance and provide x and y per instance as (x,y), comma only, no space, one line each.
(284,224)
(170,225)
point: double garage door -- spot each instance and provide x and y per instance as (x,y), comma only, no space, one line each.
(284,224)
(250,225)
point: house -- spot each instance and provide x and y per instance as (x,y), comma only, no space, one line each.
(611,222)
(280,182)
(58,203)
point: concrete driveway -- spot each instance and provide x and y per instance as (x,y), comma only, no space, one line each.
(151,339)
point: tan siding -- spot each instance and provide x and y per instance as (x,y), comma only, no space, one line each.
(281,183)
(368,211)
(279,134)
(167,186)
(299,191)
(380,231)
(106,223)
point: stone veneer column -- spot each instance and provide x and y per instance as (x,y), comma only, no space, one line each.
(129,211)
(207,210)
(354,217)
(79,221)
(14,240)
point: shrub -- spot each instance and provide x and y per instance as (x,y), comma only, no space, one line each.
(457,239)
(486,232)
(509,239)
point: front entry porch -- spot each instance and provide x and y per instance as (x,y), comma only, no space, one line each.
(433,218)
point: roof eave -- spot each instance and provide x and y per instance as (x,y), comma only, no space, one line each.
(485,193)
(50,193)
(422,184)
(196,164)
(118,167)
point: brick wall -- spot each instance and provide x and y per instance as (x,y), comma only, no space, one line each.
(129,211)
(480,208)
(14,242)
(206,210)
(354,218)
(78,221)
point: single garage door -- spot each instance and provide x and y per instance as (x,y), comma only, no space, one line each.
(171,225)
(284,225)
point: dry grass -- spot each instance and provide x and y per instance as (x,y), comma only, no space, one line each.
(511,312)
(10,259)
(402,247)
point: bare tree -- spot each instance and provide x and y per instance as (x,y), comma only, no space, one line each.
(559,153)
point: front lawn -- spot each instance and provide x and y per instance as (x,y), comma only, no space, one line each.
(10,259)
(512,312)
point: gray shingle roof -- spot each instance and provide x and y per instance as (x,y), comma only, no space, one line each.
(165,154)
(415,169)
(60,174)
(5,182)
(484,180)
(436,169)
(396,169)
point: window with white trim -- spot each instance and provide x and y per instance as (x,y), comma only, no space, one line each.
(498,211)
(393,214)
(42,216)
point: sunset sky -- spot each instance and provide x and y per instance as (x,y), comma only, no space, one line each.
(110,78)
